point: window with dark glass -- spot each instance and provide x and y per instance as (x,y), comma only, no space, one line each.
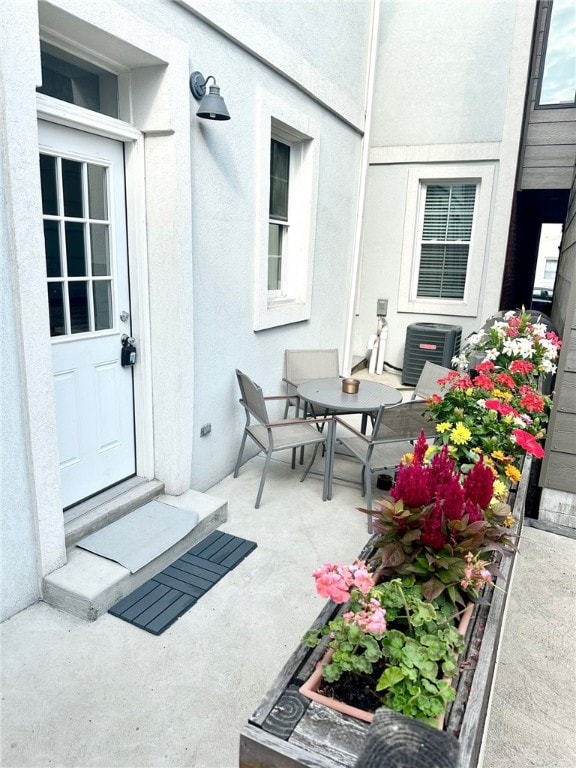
(278,211)
(79,82)
(445,240)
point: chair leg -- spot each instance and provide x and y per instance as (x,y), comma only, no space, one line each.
(310,463)
(240,452)
(293,463)
(368,484)
(263,479)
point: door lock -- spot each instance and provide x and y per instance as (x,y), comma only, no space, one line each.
(128,355)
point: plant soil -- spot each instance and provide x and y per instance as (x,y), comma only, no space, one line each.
(356,690)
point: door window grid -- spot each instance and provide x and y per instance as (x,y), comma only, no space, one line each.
(75,204)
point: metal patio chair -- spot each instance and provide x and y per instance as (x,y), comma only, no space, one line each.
(271,436)
(427,383)
(395,430)
(304,364)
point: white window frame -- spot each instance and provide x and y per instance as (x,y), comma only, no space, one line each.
(418,179)
(293,302)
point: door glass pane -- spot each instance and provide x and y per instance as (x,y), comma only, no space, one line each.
(75,251)
(97,203)
(56,309)
(48,185)
(78,296)
(52,248)
(72,184)
(102,305)
(100,250)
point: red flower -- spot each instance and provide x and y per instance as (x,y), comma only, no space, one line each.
(521,366)
(464,383)
(532,402)
(432,534)
(485,367)
(505,380)
(528,442)
(554,339)
(502,408)
(484,382)
(434,399)
(450,376)
(452,495)
(473,512)
(479,484)
(412,486)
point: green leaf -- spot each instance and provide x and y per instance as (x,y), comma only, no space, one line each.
(390,677)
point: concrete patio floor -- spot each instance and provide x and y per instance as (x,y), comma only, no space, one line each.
(78,694)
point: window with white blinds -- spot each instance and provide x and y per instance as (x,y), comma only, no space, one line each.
(445,240)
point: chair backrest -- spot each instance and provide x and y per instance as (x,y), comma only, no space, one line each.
(428,380)
(252,398)
(304,364)
(402,422)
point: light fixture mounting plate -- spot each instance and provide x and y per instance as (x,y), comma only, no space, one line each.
(198,85)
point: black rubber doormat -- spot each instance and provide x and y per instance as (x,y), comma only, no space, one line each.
(159,602)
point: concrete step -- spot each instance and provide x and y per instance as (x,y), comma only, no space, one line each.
(107,507)
(88,585)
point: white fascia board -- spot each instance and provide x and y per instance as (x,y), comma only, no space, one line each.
(226,17)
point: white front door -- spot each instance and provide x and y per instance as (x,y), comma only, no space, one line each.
(84,215)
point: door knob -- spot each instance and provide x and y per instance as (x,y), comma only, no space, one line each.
(124,316)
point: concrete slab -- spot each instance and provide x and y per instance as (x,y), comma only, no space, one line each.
(78,694)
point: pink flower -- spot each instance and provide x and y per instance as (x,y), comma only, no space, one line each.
(412,486)
(551,336)
(463,383)
(333,581)
(528,442)
(361,577)
(452,495)
(432,534)
(502,408)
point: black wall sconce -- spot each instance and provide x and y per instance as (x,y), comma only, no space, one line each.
(212,106)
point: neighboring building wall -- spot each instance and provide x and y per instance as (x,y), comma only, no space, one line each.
(448,101)
(549,149)
(558,475)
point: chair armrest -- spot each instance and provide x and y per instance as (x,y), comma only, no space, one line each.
(277,397)
(291,422)
(352,429)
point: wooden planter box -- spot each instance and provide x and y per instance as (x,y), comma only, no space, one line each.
(288,730)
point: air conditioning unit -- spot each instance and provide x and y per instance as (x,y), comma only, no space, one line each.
(429,341)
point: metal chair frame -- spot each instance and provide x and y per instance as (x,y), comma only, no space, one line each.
(271,436)
(301,365)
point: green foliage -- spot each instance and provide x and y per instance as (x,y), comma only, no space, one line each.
(419,648)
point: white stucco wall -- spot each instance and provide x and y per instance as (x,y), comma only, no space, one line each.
(195,220)
(225,164)
(450,87)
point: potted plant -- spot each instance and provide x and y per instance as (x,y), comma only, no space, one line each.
(389,647)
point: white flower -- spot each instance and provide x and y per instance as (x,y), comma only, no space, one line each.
(475,338)
(491,354)
(509,314)
(481,403)
(519,421)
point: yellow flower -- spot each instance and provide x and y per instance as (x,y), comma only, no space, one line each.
(508,419)
(408,458)
(443,426)
(503,395)
(498,455)
(469,391)
(460,434)
(430,451)
(500,489)
(509,521)
(477,450)
(513,473)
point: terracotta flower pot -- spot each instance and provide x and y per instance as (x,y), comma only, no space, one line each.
(310,688)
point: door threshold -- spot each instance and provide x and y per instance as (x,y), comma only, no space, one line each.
(77,510)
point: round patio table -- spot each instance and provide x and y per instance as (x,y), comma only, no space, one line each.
(327,395)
